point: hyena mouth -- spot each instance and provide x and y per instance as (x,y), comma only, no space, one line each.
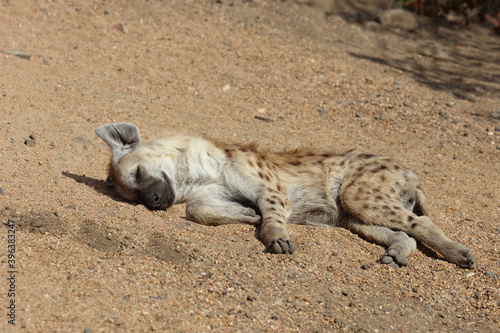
(157,194)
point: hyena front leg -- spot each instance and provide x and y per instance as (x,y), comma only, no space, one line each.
(274,208)
(399,245)
(212,206)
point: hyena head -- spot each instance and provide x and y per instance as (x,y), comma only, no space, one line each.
(138,172)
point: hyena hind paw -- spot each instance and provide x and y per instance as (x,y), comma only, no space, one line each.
(465,259)
(279,246)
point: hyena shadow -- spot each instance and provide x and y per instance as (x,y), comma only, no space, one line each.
(102,186)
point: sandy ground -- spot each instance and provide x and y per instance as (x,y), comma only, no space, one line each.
(87,261)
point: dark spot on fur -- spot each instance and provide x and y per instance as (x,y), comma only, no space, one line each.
(382,178)
(296,163)
(259,163)
(413,225)
(349,184)
(266,177)
(393,190)
(378,197)
(380,168)
(396,208)
(410,218)
(272,202)
(278,187)
(392,212)
(358,173)
(366,156)
(397,167)
(261,175)
(365,206)
(228,152)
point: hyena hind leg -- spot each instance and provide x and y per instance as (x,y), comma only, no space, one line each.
(399,245)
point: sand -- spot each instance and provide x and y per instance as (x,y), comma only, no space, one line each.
(87,261)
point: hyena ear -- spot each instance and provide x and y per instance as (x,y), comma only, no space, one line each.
(121,137)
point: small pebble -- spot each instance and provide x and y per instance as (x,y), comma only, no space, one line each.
(373,27)
(226,88)
(490,274)
(29,142)
(121,27)
(267,120)
(2,192)
(408,103)
(18,53)
(321,110)
(87,330)
(369,80)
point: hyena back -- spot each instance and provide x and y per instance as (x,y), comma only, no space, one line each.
(370,195)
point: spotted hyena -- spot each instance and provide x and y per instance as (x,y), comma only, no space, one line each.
(372,196)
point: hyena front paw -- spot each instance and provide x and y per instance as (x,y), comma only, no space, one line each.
(394,257)
(281,246)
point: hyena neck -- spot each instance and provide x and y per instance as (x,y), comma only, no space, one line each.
(199,164)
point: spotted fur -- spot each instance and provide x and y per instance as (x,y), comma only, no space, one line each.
(220,183)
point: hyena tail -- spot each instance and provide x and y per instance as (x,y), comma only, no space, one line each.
(420,208)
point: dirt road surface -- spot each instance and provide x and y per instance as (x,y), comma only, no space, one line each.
(322,76)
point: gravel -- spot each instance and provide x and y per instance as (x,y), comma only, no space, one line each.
(99,263)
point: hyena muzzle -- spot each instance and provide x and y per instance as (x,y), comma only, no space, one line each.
(220,183)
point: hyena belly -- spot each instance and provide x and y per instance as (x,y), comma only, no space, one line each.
(314,189)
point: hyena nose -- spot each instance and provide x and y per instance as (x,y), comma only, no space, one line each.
(156,198)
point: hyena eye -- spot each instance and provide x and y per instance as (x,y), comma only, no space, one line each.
(138,174)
